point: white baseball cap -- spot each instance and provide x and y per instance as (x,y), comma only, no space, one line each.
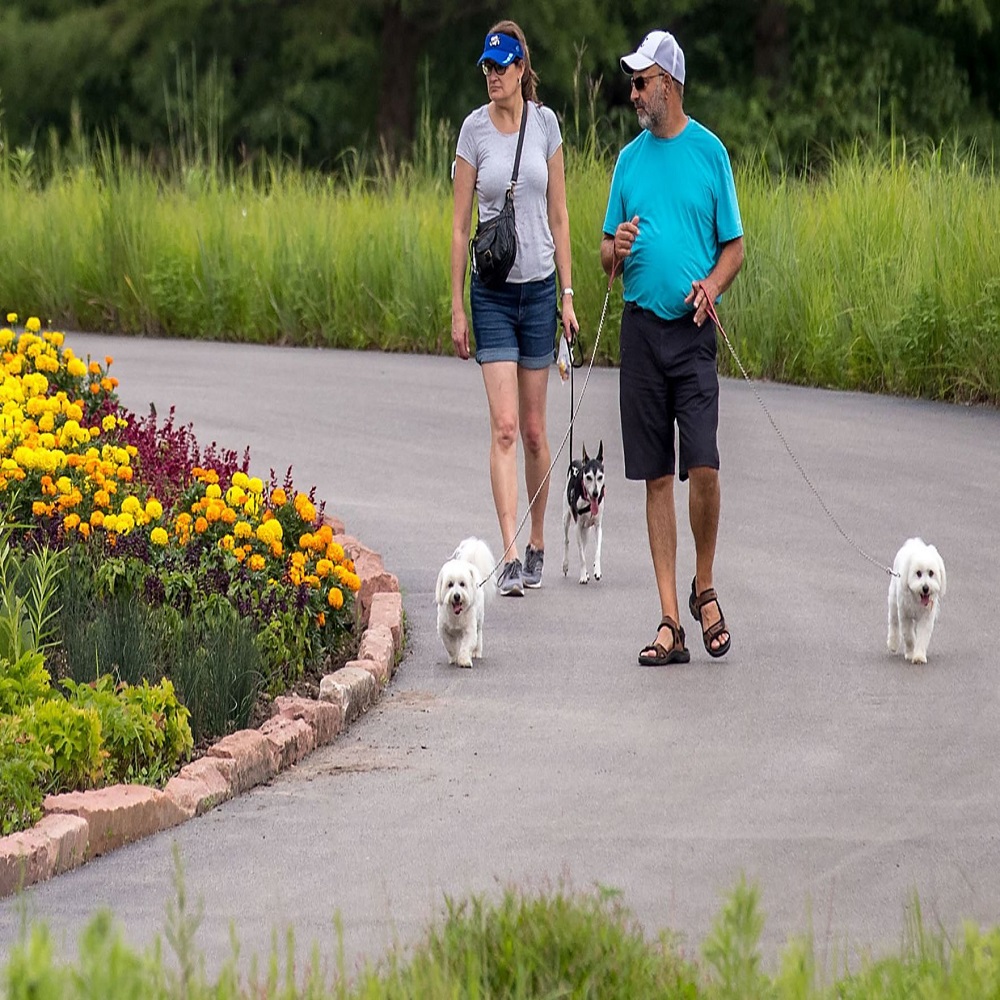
(661,48)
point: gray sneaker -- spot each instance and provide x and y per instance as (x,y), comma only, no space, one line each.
(533,559)
(511,583)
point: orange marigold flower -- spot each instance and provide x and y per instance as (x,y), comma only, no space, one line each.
(257,562)
(321,619)
(279,497)
(85,529)
(335,598)
(200,525)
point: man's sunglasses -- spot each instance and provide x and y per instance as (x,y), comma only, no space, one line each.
(640,82)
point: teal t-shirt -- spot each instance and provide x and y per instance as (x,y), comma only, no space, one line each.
(683,192)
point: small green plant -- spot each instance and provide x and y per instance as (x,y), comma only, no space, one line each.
(144,730)
(23,682)
(72,738)
(28,585)
(24,770)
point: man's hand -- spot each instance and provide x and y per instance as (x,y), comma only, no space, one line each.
(625,236)
(703,294)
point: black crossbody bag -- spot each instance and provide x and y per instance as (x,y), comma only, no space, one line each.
(493,248)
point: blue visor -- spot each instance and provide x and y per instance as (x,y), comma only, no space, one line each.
(501,49)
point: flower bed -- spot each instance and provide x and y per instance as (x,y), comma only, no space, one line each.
(163,587)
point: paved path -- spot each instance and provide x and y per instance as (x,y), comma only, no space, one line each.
(837,777)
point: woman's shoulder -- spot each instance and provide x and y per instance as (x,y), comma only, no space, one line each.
(477,117)
(546,114)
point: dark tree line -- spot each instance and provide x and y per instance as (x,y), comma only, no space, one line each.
(315,78)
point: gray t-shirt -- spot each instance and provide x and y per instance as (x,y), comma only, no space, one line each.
(491,153)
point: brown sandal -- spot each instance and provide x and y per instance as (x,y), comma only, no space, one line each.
(697,604)
(654,655)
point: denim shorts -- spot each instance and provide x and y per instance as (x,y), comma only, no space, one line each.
(668,376)
(516,322)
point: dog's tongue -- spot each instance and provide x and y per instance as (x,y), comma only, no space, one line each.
(593,506)
(925,599)
(457,608)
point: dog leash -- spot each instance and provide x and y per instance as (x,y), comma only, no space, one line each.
(714,316)
(569,430)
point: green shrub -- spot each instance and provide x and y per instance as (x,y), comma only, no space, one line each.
(72,738)
(24,769)
(144,729)
(23,682)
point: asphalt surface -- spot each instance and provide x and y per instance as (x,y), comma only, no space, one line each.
(837,777)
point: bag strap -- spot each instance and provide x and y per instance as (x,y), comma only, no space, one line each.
(520,143)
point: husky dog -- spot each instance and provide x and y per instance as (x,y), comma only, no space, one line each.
(584,507)
(460,594)
(915,594)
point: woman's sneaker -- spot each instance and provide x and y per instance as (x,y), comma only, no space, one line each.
(533,559)
(511,581)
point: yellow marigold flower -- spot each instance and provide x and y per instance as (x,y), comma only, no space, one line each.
(312,580)
(74,412)
(56,338)
(154,509)
(251,505)
(279,497)
(257,562)
(159,536)
(12,318)
(227,542)
(242,529)
(97,519)
(297,559)
(200,525)
(213,512)
(235,495)
(131,505)
(76,368)
(305,508)
(255,486)
(324,568)
(335,551)
(213,491)
(241,479)
(305,541)
(71,522)
(111,522)
(109,422)
(33,325)
(335,598)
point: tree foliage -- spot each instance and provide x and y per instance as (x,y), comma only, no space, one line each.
(316,78)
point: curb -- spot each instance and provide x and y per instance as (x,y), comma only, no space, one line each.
(78,826)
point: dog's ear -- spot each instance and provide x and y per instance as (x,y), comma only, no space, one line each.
(585,459)
(600,451)
(439,589)
(944,577)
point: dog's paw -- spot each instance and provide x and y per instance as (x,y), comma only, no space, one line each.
(597,572)
(565,567)
(583,577)
(892,644)
(919,656)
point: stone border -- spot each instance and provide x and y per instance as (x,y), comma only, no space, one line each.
(78,826)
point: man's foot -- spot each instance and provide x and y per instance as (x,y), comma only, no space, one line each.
(707,611)
(511,581)
(668,647)
(533,559)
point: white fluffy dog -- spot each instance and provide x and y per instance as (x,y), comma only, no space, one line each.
(462,587)
(915,598)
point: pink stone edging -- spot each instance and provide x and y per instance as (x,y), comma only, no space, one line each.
(78,826)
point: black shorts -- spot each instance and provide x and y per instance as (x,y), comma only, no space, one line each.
(668,375)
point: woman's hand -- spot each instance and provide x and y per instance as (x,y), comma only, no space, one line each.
(460,333)
(570,326)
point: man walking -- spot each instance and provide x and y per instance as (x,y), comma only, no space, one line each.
(673,231)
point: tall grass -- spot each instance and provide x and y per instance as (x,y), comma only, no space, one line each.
(520,947)
(883,274)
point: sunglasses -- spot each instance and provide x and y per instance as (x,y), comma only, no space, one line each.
(492,67)
(640,82)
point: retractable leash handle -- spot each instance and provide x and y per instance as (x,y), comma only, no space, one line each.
(714,317)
